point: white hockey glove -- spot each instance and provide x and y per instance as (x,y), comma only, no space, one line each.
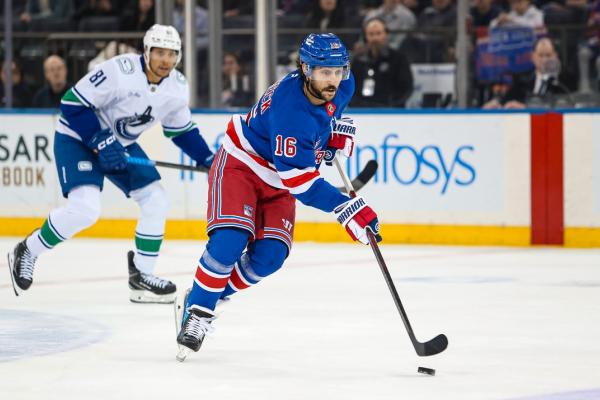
(356,216)
(342,138)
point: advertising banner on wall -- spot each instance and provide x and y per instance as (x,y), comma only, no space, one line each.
(470,169)
(28,181)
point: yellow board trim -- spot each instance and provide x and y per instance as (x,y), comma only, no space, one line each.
(305,231)
(582,237)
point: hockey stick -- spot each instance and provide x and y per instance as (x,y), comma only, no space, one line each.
(435,345)
(151,163)
(357,183)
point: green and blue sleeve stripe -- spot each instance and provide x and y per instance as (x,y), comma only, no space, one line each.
(171,132)
(78,116)
(193,144)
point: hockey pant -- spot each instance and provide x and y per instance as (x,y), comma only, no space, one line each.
(225,268)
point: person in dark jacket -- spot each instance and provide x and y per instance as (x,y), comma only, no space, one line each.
(542,82)
(55,72)
(382,75)
(21,92)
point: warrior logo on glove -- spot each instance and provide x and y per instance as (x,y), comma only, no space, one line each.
(356,216)
(343,131)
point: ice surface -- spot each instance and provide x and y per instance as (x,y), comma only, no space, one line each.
(523,323)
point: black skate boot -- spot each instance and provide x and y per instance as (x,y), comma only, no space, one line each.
(20,265)
(196,324)
(147,288)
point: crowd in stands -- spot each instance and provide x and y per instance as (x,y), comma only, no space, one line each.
(514,43)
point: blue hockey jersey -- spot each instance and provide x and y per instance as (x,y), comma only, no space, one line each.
(284,136)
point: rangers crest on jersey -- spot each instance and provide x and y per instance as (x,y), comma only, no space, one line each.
(123,125)
(330,107)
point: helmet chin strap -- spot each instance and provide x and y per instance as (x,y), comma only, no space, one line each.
(147,60)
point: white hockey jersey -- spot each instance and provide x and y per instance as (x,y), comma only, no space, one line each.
(119,93)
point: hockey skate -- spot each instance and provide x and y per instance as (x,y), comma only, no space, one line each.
(180,303)
(20,266)
(192,325)
(147,288)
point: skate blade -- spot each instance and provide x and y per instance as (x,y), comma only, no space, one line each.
(182,353)
(145,296)
(178,310)
(16,288)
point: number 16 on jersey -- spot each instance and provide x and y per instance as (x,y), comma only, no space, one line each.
(285,147)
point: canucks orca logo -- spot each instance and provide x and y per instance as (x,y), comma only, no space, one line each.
(122,125)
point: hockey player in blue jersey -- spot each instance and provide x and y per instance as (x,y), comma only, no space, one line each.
(268,159)
(101,118)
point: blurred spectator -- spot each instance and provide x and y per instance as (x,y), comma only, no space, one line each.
(235,8)
(96,8)
(21,92)
(441,13)
(201,19)
(563,11)
(55,72)
(438,44)
(589,52)
(483,12)
(522,13)
(541,82)
(326,14)
(138,16)
(397,17)
(416,6)
(45,15)
(293,7)
(382,75)
(236,83)
(112,49)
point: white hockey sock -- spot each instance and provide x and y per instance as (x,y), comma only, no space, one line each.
(150,228)
(81,211)
(34,244)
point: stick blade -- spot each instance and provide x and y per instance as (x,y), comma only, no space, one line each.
(433,347)
(365,175)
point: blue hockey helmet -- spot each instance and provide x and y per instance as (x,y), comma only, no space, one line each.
(324,50)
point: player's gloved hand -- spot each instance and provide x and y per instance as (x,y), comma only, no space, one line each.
(111,154)
(342,138)
(356,216)
(207,162)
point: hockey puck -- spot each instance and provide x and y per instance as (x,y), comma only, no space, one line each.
(428,371)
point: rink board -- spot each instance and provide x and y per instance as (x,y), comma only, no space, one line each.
(443,178)
(582,179)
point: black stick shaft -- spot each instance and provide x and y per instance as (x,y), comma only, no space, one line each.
(434,346)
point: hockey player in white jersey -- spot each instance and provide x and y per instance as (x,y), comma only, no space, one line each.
(101,118)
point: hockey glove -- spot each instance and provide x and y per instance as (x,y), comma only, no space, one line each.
(356,216)
(342,138)
(111,154)
(207,162)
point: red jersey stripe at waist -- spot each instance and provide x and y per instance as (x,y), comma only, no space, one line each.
(234,136)
(300,179)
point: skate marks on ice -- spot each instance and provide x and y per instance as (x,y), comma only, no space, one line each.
(28,334)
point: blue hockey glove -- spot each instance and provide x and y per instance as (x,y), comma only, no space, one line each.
(207,161)
(111,154)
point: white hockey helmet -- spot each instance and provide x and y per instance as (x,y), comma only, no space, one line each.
(163,36)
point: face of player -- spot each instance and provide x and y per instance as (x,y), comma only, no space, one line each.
(324,82)
(162,61)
